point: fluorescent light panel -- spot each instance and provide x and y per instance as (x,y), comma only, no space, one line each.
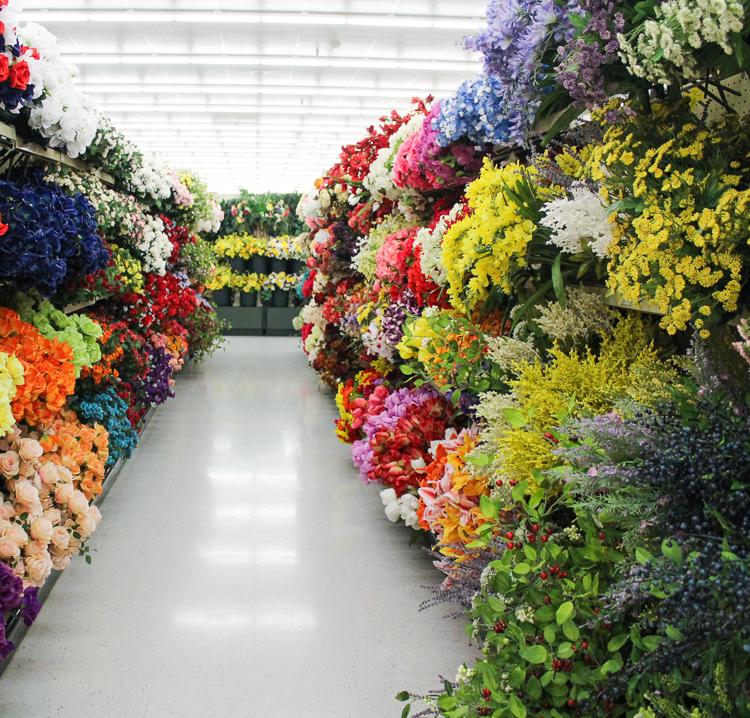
(249,109)
(283,18)
(112,88)
(275,61)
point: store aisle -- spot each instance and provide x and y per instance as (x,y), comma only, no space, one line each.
(241,570)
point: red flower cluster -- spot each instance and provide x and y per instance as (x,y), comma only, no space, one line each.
(178,236)
(396,256)
(359,399)
(163,298)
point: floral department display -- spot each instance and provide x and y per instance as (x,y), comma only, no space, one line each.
(100,304)
(579,467)
(269,266)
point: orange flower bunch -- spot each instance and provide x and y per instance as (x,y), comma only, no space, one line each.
(106,365)
(449,493)
(176,346)
(81,448)
(441,366)
(49,374)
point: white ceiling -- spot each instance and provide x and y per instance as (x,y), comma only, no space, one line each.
(253,94)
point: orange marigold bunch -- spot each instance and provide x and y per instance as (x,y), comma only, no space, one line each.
(49,374)
(81,448)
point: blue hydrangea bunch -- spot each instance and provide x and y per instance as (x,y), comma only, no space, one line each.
(50,238)
(111,412)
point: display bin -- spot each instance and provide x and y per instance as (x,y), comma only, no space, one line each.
(261,264)
(297,266)
(248,299)
(222,297)
(237,264)
(280,298)
(279,265)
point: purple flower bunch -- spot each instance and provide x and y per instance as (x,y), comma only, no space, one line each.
(11,597)
(396,315)
(345,240)
(155,388)
(583,58)
(51,238)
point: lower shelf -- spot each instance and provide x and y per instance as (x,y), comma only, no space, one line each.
(16,630)
(259,321)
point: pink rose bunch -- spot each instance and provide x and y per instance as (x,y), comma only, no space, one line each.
(407,170)
(44,518)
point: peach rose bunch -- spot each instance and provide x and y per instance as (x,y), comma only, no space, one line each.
(44,517)
(80,448)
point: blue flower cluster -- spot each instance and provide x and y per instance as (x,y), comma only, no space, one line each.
(500,104)
(474,112)
(111,412)
(51,238)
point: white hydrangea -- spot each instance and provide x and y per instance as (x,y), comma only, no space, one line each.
(155,245)
(378,180)
(212,222)
(151,180)
(573,220)
(314,343)
(61,112)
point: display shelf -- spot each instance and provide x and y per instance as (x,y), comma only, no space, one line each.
(77,306)
(279,321)
(16,629)
(10,140)
(258,321)
(243,320)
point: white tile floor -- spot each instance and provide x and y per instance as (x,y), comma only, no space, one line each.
(241,570)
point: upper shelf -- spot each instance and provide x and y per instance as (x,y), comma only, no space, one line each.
(13,141)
